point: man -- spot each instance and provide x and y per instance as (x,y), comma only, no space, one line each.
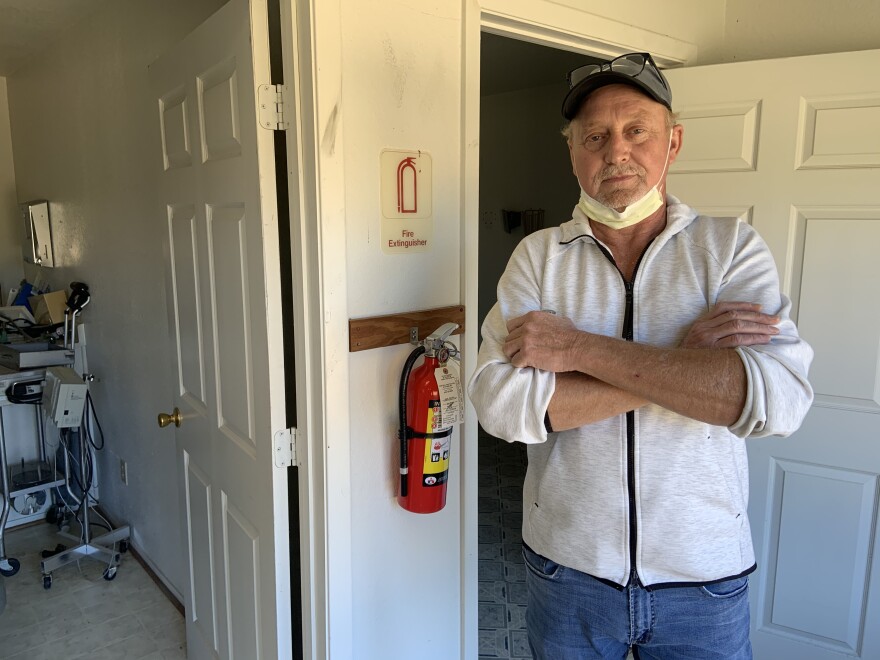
(622,351)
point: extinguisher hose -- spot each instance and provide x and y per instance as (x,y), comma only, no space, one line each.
(403,430)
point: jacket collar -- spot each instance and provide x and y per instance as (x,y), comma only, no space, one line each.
(678,216)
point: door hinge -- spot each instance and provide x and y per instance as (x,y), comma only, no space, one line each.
(272,107)
(285,448)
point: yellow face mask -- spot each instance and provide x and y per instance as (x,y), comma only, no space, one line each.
(632,214)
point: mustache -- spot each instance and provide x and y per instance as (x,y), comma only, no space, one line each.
(610,171)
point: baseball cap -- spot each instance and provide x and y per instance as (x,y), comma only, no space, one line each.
(636,69)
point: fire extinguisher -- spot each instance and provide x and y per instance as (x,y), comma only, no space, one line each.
(425,433)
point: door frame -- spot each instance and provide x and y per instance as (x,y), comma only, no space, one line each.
(544,23)
(310,338)
(310,34)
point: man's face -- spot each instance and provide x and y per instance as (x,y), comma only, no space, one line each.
(619,144)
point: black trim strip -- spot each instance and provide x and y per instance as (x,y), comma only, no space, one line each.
(673,585)
(410,433)
(574,239)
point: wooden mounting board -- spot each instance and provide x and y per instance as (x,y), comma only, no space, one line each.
(393,329)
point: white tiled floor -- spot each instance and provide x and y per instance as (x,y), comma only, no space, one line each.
(83,615)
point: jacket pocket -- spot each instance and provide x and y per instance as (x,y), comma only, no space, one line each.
(540,566)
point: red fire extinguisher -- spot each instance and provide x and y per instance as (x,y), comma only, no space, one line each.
(425,436)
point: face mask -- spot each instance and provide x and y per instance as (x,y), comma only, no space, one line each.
(632,214)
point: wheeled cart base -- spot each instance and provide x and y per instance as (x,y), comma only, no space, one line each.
(100,549)
(106,548)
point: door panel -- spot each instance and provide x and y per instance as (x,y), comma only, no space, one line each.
(792,147)
(227,229)
(839,501)
(201,551)
(242,579)
(217,187)
(187,306)
(847,378)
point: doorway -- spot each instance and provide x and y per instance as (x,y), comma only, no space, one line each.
(525,183)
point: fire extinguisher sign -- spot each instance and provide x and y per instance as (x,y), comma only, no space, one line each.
(407,221)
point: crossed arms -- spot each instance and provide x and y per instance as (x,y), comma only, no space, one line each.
(599,377)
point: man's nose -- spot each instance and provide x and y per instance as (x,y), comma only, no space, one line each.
(617,149)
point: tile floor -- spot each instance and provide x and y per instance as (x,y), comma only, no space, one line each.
(83,615)
(501,573)
(502,587)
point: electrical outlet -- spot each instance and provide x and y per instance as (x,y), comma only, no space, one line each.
(123,471)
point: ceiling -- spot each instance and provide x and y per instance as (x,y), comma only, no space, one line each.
(28,26)
(508,65)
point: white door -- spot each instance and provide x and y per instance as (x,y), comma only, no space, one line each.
(218,208)
(793,146)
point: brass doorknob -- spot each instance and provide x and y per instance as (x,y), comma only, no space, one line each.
(165,419)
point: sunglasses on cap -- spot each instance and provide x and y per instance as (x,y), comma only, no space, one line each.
(638,69)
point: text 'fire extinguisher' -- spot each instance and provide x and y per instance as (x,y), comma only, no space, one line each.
(431,403)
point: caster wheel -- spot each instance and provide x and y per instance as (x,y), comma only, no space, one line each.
(9,567)
(47,582)
(110,573)
(123,546)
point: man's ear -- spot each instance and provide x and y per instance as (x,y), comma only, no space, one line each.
(676,142)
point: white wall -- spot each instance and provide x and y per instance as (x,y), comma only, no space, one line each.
(10,223)
(85,136)
(700,22)
(401,68)
(757,29)
(740,30)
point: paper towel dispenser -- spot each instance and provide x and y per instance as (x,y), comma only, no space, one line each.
(37,246)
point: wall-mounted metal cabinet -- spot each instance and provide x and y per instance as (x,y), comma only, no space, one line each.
(37,247)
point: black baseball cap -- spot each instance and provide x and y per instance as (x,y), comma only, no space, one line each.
(636,69)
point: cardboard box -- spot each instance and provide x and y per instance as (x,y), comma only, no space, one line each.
(49,307)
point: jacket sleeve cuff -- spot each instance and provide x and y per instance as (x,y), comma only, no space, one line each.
(778,395)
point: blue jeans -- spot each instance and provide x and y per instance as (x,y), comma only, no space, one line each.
(572,616)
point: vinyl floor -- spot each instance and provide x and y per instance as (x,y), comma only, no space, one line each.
(83,615)
(501,573)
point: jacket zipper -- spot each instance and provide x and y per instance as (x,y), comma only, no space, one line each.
(627,335)
(631,442)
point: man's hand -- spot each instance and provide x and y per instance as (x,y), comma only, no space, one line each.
(731,324)
(541,340)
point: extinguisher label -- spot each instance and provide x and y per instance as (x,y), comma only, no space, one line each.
(451,396)
(436,464)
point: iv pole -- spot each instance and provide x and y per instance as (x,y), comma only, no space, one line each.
(100,548)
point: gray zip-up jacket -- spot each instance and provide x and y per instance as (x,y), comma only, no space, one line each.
(688,481)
